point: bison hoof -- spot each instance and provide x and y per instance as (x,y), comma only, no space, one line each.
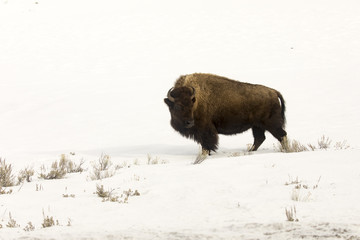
(202,156)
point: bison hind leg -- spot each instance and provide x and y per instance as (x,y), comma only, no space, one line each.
(278,133)
(259,138)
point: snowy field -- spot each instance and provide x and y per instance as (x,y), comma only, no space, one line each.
(85,78)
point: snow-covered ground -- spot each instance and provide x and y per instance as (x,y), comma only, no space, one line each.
(89,77)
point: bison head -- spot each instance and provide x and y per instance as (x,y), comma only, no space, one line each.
(181,106)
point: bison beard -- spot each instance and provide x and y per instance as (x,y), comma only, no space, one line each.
(205,105)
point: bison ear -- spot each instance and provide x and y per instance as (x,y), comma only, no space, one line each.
(169,103)
(193,99)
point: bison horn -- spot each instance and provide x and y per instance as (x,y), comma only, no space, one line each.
(169,95)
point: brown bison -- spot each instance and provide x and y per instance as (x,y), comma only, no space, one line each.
(205,105)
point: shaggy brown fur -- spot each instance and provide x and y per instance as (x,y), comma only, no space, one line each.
(205,105)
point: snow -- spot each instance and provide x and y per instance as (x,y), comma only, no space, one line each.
(89,77)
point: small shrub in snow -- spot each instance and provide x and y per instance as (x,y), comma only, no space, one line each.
(60,169)
(57,171)
(49,221)
(136,162)
(100,191)
(317,184)
(7,179)
(234,154)
(124,164)
(154,161)
(131,193)
(291,214)
(102,168)
(104,162)
(312,147)
(4,191)
(292,181)
(12,223)
(25,175)
(71,166)
(109,196)
(324,142)
(29,227)
(126,194)
(341,145)
(301,192)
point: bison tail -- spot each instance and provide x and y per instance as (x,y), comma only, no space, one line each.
(283,108)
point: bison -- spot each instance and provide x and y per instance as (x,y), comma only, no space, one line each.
(205,105)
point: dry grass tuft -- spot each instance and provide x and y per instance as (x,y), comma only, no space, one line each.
(289,146)
(155,160)
(100,191)
(323,143)
(69,195)
(7,179)
(49,221)
(302,192)
(299,196)
(12,223)
(292,181)
(291,214)
(342,145)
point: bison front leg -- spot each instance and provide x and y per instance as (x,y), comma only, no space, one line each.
(208,140)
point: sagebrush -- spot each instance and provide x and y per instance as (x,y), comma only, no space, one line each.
(7,179)
(103,168)
(60,168)
(25,175)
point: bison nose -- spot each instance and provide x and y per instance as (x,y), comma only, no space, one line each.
(189,123)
